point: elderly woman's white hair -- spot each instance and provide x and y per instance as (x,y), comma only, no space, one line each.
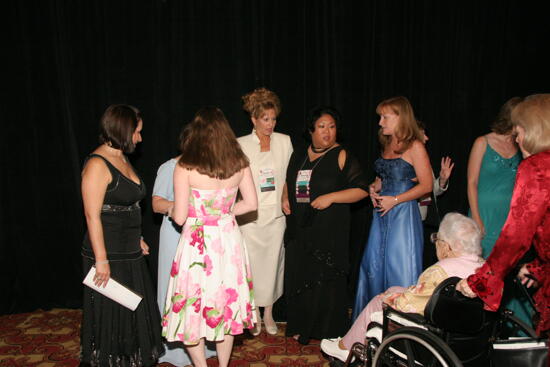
(457,228)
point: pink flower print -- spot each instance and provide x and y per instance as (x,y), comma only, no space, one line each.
(197,305)
(180,336)
(236,327)
(249,314)
(237,261)
(193,327)
(228,227)
(227,314)
(226,206)
(191,212)
(178,304)
(216,246)
(231,295)
(212,317)
(183,279)
(207,265)
(218,203)
(196,194)
(197,238)
(220,298)
(175,269)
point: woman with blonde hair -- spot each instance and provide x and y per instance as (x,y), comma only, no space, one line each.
(263,230)
(393,256)
(210,290)
(529,218)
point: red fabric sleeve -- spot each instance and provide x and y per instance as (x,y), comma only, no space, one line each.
(527,209)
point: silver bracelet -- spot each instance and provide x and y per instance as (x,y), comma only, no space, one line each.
(101,262)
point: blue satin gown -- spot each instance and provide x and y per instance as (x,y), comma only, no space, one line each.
(393,256)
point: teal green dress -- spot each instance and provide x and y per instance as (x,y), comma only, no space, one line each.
(497,177)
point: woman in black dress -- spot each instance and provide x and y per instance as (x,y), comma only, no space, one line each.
(322,181)
(111,334)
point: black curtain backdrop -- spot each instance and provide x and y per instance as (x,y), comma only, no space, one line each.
(457,62)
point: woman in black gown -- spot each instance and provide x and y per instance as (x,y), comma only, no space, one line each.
(322,181)
(112,335)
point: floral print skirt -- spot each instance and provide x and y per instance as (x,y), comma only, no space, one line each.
(210,291)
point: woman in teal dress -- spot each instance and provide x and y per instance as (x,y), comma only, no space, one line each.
(492,168)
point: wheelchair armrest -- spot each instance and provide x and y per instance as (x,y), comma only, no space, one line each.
(394,319)
(451,311)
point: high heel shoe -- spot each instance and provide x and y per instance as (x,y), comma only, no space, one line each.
(271,327)
(257,329)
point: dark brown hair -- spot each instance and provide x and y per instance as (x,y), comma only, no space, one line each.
(260,100)
(503,123)
(407,131)
(210,146)
(117,126)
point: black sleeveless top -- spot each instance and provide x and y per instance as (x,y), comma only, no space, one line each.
(120,216)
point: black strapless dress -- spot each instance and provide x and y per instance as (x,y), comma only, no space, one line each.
(111,334)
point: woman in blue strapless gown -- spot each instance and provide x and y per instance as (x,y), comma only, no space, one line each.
(393,256)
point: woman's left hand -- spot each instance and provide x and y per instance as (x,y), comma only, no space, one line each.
(322,202)
(526,277)
(144,247)
(447,166)
(385,204)
(465,289)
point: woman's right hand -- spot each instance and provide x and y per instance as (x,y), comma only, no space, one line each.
(286,206)
(102,274)
(373,195)
(479,223)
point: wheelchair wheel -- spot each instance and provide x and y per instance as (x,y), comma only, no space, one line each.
(412,347)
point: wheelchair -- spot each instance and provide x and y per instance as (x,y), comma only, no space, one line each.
(455,331)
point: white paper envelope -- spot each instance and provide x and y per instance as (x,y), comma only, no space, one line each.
(114,290)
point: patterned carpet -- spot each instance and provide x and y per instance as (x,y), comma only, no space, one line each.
(51,339)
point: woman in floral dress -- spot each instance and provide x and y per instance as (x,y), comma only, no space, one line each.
(210,291)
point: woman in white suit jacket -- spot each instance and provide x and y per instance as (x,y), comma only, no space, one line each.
(263,230)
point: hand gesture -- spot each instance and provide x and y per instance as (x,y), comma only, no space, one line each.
(102,273)
(322,202)
(385,203)
(479,223)
(526,277)
(144,246)
(446,169)
(373,193)
(465,289)
(169,209)
(285,205)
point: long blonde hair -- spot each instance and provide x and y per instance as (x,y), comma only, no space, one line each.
(407,130)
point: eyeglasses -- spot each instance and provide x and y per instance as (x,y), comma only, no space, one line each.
(434,238)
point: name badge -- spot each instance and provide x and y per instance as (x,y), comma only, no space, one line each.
(267,180)
(302,185)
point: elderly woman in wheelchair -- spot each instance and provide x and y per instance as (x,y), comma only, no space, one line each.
(458,251)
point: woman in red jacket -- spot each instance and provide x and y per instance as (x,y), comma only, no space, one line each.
(528,222)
